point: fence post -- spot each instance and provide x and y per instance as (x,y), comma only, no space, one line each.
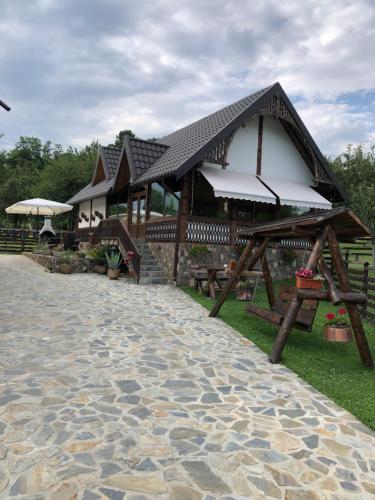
(365,286)
(347,253)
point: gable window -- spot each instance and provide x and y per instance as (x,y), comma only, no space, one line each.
(163,203)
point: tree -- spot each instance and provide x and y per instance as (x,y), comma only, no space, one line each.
(119,141)
(355,169)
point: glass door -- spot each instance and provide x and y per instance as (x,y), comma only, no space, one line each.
(138,215)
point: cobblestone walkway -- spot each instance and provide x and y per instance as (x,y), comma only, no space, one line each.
(109,390)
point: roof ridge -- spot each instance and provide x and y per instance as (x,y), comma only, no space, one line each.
(148,141)
(261,91)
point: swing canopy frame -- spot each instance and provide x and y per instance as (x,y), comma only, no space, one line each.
(297,310)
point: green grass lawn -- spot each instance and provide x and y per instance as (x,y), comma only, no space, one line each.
(334,369)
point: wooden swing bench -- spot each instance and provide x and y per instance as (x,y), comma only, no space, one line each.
(276,315)
(296,308)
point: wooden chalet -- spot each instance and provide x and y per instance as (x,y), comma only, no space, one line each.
(251,162)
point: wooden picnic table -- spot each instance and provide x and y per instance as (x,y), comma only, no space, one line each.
(212,278)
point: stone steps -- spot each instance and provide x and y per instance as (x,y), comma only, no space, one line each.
(151,272)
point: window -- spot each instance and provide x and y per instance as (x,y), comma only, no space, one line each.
(163,202)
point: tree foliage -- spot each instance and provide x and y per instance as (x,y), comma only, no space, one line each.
(355,170)
(33,169)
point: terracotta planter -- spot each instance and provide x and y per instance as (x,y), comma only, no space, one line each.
(113,274)
(338,333)
(232,265)
(100,268)
(66,268)
(244,294)
(309,283)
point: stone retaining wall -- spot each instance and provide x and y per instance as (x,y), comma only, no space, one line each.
(283,263)
(52,263)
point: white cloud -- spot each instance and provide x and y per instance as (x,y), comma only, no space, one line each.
(76,71)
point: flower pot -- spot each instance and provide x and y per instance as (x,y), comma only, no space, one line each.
(113,274)
(308,283)
(338,333)
(100,268)
(244,294)
(66,268)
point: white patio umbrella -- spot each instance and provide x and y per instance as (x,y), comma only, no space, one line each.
(38,206)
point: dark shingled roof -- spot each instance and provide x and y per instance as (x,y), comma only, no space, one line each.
(111,158)
(186,144)
(142,154)
(90,191)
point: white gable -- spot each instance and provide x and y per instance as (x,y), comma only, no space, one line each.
(280,158)
(242,152)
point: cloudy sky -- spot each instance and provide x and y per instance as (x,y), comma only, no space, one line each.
(77,70)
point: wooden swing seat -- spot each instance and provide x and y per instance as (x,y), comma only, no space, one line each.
(276,315)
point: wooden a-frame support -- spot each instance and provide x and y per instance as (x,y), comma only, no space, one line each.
(252,254)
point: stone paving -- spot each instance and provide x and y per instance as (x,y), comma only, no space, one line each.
(112,390)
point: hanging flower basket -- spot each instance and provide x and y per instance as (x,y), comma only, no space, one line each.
(305,278)
(337,327)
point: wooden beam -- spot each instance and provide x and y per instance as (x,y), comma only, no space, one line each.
(355,317)
(347,297)
(241,265)
(260,145)
(285,328)
(332,290)
(317,248)
(268,280)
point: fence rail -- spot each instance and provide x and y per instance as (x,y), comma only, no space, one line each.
(17,240)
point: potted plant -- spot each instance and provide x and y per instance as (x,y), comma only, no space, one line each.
(98,255)
(199,253)
(127,260)
(114,262)
(337,327)
(306,278)
(66,266)
(244,290)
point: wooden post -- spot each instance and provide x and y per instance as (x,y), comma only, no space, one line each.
(284,331)
(268,280)
(184,207)
(347,253)
(365,287)
(296,303)
(317,249)
(332,290)
(355,317)
(241,264)
(260,145)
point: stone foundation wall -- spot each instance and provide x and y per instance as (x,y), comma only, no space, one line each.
(52,263)
(283,263)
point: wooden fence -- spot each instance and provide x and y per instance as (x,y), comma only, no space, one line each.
(18,240)
(24,240)
(357,258)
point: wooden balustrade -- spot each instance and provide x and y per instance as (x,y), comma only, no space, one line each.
(162,229)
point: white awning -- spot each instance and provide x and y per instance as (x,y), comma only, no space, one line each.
(296,194)
(231,184)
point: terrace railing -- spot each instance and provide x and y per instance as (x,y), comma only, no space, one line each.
(162,230)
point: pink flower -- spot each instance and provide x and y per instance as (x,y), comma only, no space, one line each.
(342,311)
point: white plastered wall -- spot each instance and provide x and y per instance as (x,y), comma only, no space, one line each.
(242,152)
(280,158)
(98,204)
(84,207)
